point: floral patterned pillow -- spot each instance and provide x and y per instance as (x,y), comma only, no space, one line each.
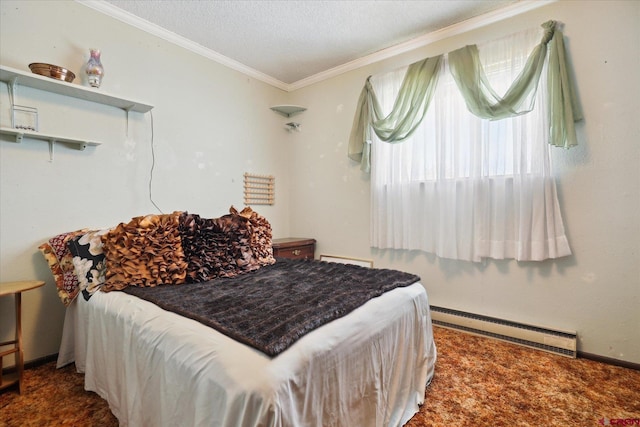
(59,258)
(89,261)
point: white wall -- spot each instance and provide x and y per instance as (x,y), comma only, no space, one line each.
(211,124)
(596,291)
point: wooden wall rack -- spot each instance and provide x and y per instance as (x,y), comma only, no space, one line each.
(259,189)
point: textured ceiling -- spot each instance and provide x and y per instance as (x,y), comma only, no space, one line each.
(293,40)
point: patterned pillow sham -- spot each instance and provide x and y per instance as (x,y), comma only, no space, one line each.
(60,261)
(89,261)
(158,249)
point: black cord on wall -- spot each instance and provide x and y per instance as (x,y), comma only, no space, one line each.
(153,164)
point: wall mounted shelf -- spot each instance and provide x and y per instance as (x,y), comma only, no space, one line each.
(19,134)
(288,110)
(28,79)
(14,77)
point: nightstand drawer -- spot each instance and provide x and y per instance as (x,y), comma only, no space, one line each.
(294,248)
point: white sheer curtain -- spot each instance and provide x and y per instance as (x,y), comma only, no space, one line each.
(468,188)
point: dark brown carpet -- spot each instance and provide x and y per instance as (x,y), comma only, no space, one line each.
(478,382)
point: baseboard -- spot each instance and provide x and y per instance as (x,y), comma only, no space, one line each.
(33,363)
(41,361)
(609,360)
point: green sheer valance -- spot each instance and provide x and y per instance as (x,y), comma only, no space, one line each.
(408,111)
(421,78)
(481,99)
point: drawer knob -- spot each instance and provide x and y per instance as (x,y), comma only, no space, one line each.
(296,252)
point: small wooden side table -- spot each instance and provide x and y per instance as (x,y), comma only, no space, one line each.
(15,289)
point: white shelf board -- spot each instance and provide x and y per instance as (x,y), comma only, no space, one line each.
(8,74)
(288,110)
(21,133)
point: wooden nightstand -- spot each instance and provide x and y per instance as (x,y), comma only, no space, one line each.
(294,248)
(15,289)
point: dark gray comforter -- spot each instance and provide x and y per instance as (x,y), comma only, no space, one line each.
(271,308)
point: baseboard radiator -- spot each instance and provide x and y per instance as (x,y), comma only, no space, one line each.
(563,343)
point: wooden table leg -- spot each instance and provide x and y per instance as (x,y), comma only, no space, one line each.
(19,353)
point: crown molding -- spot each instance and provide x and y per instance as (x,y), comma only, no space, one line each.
(171,37)
(424,40)
(418,42)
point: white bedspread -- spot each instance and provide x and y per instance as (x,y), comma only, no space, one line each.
(156,368)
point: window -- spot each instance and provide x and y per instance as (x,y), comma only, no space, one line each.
(467,188)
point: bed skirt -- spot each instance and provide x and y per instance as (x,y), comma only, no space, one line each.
(156,368)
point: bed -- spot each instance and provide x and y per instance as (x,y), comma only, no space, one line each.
(368,367)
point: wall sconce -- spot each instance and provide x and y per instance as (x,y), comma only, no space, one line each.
(288,111)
